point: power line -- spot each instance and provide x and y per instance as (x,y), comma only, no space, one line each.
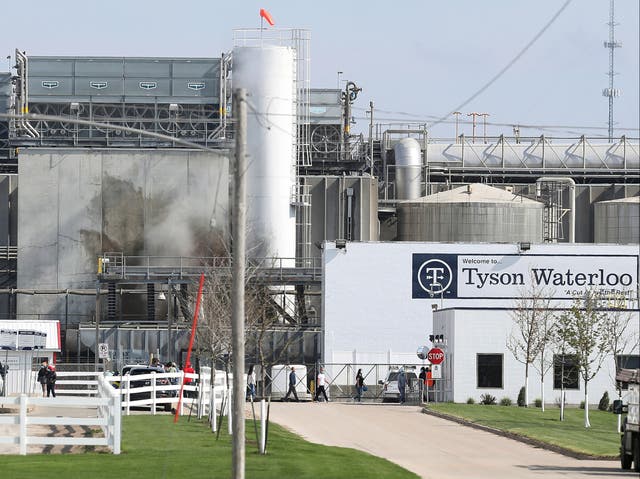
(509,65)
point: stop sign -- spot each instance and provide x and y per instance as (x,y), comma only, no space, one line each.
(435,356)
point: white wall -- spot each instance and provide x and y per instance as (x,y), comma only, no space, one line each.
(367,295)
(479,331)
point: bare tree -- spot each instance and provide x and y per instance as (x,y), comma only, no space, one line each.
(271,318)
(583,330)
(531,309)
(544,361)
(262,315)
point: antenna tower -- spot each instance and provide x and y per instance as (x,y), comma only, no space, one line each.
(611,92)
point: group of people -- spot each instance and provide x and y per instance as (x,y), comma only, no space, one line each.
(427,383)
(171,367)
(47,378)
(321,384)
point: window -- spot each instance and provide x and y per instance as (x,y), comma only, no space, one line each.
(628,361)
(565,369)
(489,370)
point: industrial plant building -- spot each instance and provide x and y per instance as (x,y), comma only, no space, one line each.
(115,194)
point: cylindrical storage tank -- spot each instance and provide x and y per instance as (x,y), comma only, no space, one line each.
(472,213)
(617,221)
(408,168)
(267,73)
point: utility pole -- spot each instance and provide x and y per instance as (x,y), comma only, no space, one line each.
(456,114)
(473,115)
(611,92)
(371,135)
(237,311)
(484,126)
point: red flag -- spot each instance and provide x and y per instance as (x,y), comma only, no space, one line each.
(267,16)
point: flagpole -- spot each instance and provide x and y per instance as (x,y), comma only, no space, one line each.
(261,27)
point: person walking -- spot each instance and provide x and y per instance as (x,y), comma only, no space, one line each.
(293,380)
(320,385)
(251,384)
(42,377)
(51,380)
(359,385)
(402,384)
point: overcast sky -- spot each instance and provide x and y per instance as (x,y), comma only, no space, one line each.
(417,60)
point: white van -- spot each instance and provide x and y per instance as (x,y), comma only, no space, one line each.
(280,382)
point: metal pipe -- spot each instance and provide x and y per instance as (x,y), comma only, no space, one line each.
(572,199)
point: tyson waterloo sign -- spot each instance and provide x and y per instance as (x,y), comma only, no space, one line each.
(510,276)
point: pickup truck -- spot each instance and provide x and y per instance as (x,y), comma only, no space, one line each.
(630,437)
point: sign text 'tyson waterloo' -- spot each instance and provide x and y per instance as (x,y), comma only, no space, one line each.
(511,276)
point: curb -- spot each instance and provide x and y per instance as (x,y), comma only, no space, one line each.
(520,438)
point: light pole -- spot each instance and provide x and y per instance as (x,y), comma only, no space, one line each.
(456,114)
(432,294)
(484,126)
(473,116)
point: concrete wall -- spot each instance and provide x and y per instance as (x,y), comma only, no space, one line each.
(76,203)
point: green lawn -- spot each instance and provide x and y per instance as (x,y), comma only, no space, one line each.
(599,440)
(154,447)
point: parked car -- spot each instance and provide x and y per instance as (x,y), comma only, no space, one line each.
(140,370)
(390,390)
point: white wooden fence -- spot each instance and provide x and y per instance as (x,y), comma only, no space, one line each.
(110,396)
(106,403)
(162,389)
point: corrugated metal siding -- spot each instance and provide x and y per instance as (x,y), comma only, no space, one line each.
(48,327)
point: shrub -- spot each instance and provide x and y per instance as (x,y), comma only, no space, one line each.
(521,402)
(538,402)
(581,404)
(506,401)
(471,401)
(487,399)
(603,405)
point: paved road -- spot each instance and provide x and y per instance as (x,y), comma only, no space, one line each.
(432,447)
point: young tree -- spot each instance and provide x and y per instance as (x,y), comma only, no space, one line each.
(531,309)
(262,316)
(544,361)
(583,330)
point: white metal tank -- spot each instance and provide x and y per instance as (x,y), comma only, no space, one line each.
(267,73)
(617,221)
(472,213)
(408,168)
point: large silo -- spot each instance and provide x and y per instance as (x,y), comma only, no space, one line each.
(408,168)
(472,213)
(267,73)
(617,221)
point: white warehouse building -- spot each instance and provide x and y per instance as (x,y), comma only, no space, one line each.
(381,301)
